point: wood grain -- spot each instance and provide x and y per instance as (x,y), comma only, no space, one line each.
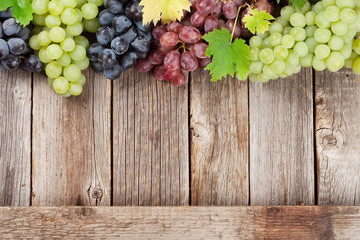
(15,138)
(71,145)
(338,137)
(219,141)
(150,142)
(282,142)
(181,223)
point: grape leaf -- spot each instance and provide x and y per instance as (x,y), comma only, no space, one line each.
(299,4)
(257,21)
(21,10)
(164,10)
(228,57)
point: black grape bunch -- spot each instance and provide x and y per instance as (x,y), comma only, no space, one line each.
(14,45)
(122,38)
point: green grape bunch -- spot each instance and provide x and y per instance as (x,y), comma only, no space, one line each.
(58,42)
(322,36)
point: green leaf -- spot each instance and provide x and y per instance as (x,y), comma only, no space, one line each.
(227,58)
(257,21)
(299,4)
(22,10)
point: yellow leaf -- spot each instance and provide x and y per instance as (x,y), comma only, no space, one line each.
(257,21)
(164,10)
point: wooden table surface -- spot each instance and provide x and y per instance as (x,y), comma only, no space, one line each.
(139,142)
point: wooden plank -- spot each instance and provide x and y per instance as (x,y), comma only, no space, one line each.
(338,137)
(15,138)
(180,223)
(71,145)
(150,142)
(282,141)
(219,141)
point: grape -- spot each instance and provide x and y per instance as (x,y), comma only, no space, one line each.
(301,49)
(332,13)
(82,80)
(130,35)
(34,64)
(72,73)
(339,28)
(321,20)
(205,6)
(276,28)
(281,52)
(179,79)
(312,44)
(40,6)
(267,56)
(53,70)
(348,15)
(57,34)
(114,6)
(105,35)
(322,35)
(310,18)
(10,27)
(60,85)
(174,27)
(172,60)
(278,66)
(114,72)
(140,45)
(43,56)
(254,54)
(255,42)
(288,41)
(299,34)
(219,8)
(156,57)
(93,51)
(256,67)
(52,21)
(159,72)
(64,60)
(69,3)
(310,31)
(121,24)
(89,11)
(78,54)
(286,12)
(327,3)
(346,51)
(307,60)
(298,20)
(230,27)
(188,61)
(275,39)
(119,45)
(335,62)
(199,49)
(133,11)
(319,64)
(75,89)
(75,29)
(229,10)
(54,51)
(107,58)
(169,39)
(11,62)
(197,19)
(189,34)
(82,41)
(322,51)
(211,23)
(69,16)
(17,46)
(144,65)
(336,42)
(91,25)
(356,66)
(345,3)
(106,18)
(68,44)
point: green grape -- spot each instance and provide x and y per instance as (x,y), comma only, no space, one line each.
(327,3)
(310,30)
(322,35)
(256,67)
(292,59)
(43,38)
(97,2)
(57,34)
(288,71)
(281,52)
(278,66)
(267,70)
(68,44)
(254,54)
(50,81)
(288,41)
(66,95)
(282,21)
(318,64)
(348,15)
(266,43)
(349,62)
(307,60)
(263,78)
(82,80)
(301,49)
(81,3)
(356,24)
(39,19)
(255,42)
(305,8)
(356,66)
(92,25)
(345,3)
(72,73)
(80,16)
(310,18)
(83,64)
(253,77)
(287,30)
(322,51)
(286,12)
(336,42)
(78,54)
(264,35)
(64,60)
(46,29)
(318,7)
(275,39)
(321,20)
(298,20)
(357,4)
(53,51)
(34,44)
(339,28)
(61,85)
(43,56)
(36,30)
(356,46)
(349,35)
(75,29)
(297,69)
(276,28)
(82,41)
(75,89)
(69,16)
(89,11)
(266,55)
(346,51)
(69,3)
(299,34)
(39,6)
(335,62)
(311,43)
(332,13)
(53,70)
(56,7)
(52,21)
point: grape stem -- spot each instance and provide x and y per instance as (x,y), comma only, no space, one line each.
(236,19)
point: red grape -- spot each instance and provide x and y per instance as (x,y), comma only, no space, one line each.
(179,79)
(169,39)
(199,49)
(211,22)
(221,24)
(189,34)
(217,9)
(172,60)
(188,61)
(159,72)
(170,75)
(229,10)
(203,62)
(230,27)
(158,30)
(205,6)
(165,50)
(174,27)
(144,65)
(263,5)
(156,57)
(197,19)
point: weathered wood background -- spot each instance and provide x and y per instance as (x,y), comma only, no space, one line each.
(139,142)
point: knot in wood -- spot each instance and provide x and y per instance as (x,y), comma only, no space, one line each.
(97,193)
(330,139)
